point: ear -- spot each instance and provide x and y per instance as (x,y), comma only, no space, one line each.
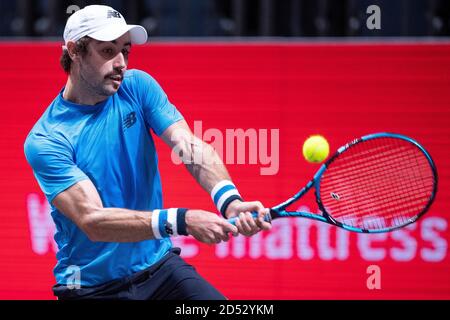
(71,49)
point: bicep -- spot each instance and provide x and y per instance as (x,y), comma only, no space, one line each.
(78,201)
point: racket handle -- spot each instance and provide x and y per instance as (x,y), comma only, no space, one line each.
(267,218)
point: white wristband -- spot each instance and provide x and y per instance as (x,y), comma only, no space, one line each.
(155,224)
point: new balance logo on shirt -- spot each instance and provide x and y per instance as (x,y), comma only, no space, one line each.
(129,120)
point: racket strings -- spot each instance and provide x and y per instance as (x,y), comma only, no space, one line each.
(364,156)
(391,213)
(382,169)
(400,176)
(401,180)
(378,183)
(397,177)
(372,206)
(377,165)
(368,206)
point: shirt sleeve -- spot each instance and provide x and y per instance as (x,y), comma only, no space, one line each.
(53,164)
(159,113)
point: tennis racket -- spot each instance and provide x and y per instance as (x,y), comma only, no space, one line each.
(377,183)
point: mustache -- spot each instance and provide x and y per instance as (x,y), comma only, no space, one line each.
(114,74)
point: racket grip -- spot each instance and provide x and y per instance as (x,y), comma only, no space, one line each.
(267,218)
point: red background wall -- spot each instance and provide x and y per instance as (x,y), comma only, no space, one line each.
(341,91)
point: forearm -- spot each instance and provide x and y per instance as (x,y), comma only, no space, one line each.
(82,204)
(210,172)
(118,225)
(122,225)
(206,166)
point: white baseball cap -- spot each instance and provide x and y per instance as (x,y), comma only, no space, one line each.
(102,23)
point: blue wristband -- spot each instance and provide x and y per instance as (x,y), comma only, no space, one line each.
(181,221)
(223,194)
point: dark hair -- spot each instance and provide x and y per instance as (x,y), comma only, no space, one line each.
(80,47)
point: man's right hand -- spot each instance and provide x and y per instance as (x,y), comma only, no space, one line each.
(208,227)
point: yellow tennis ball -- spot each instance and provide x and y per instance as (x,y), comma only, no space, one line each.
(316,149)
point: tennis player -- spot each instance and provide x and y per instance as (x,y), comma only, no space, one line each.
(95,160)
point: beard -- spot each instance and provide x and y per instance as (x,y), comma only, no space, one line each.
(103,86)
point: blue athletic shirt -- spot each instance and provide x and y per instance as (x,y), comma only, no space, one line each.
(110,144)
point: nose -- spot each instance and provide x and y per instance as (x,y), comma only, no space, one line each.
(119,62)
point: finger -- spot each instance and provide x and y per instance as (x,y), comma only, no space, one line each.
(260,220)
(251,220)
(212,240)
(226,231)
(237,222)
(225,237)
(251,223)
(244,223)
(216,238)
(266,225)
(253,206)
(228,227)
(259,205)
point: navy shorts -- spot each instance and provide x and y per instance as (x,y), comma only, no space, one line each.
(169,279)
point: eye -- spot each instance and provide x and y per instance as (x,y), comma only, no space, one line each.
(107,51)
(126,52)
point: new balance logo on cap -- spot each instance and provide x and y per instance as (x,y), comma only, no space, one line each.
(113,14)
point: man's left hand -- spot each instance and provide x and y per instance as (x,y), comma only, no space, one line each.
(246,224)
